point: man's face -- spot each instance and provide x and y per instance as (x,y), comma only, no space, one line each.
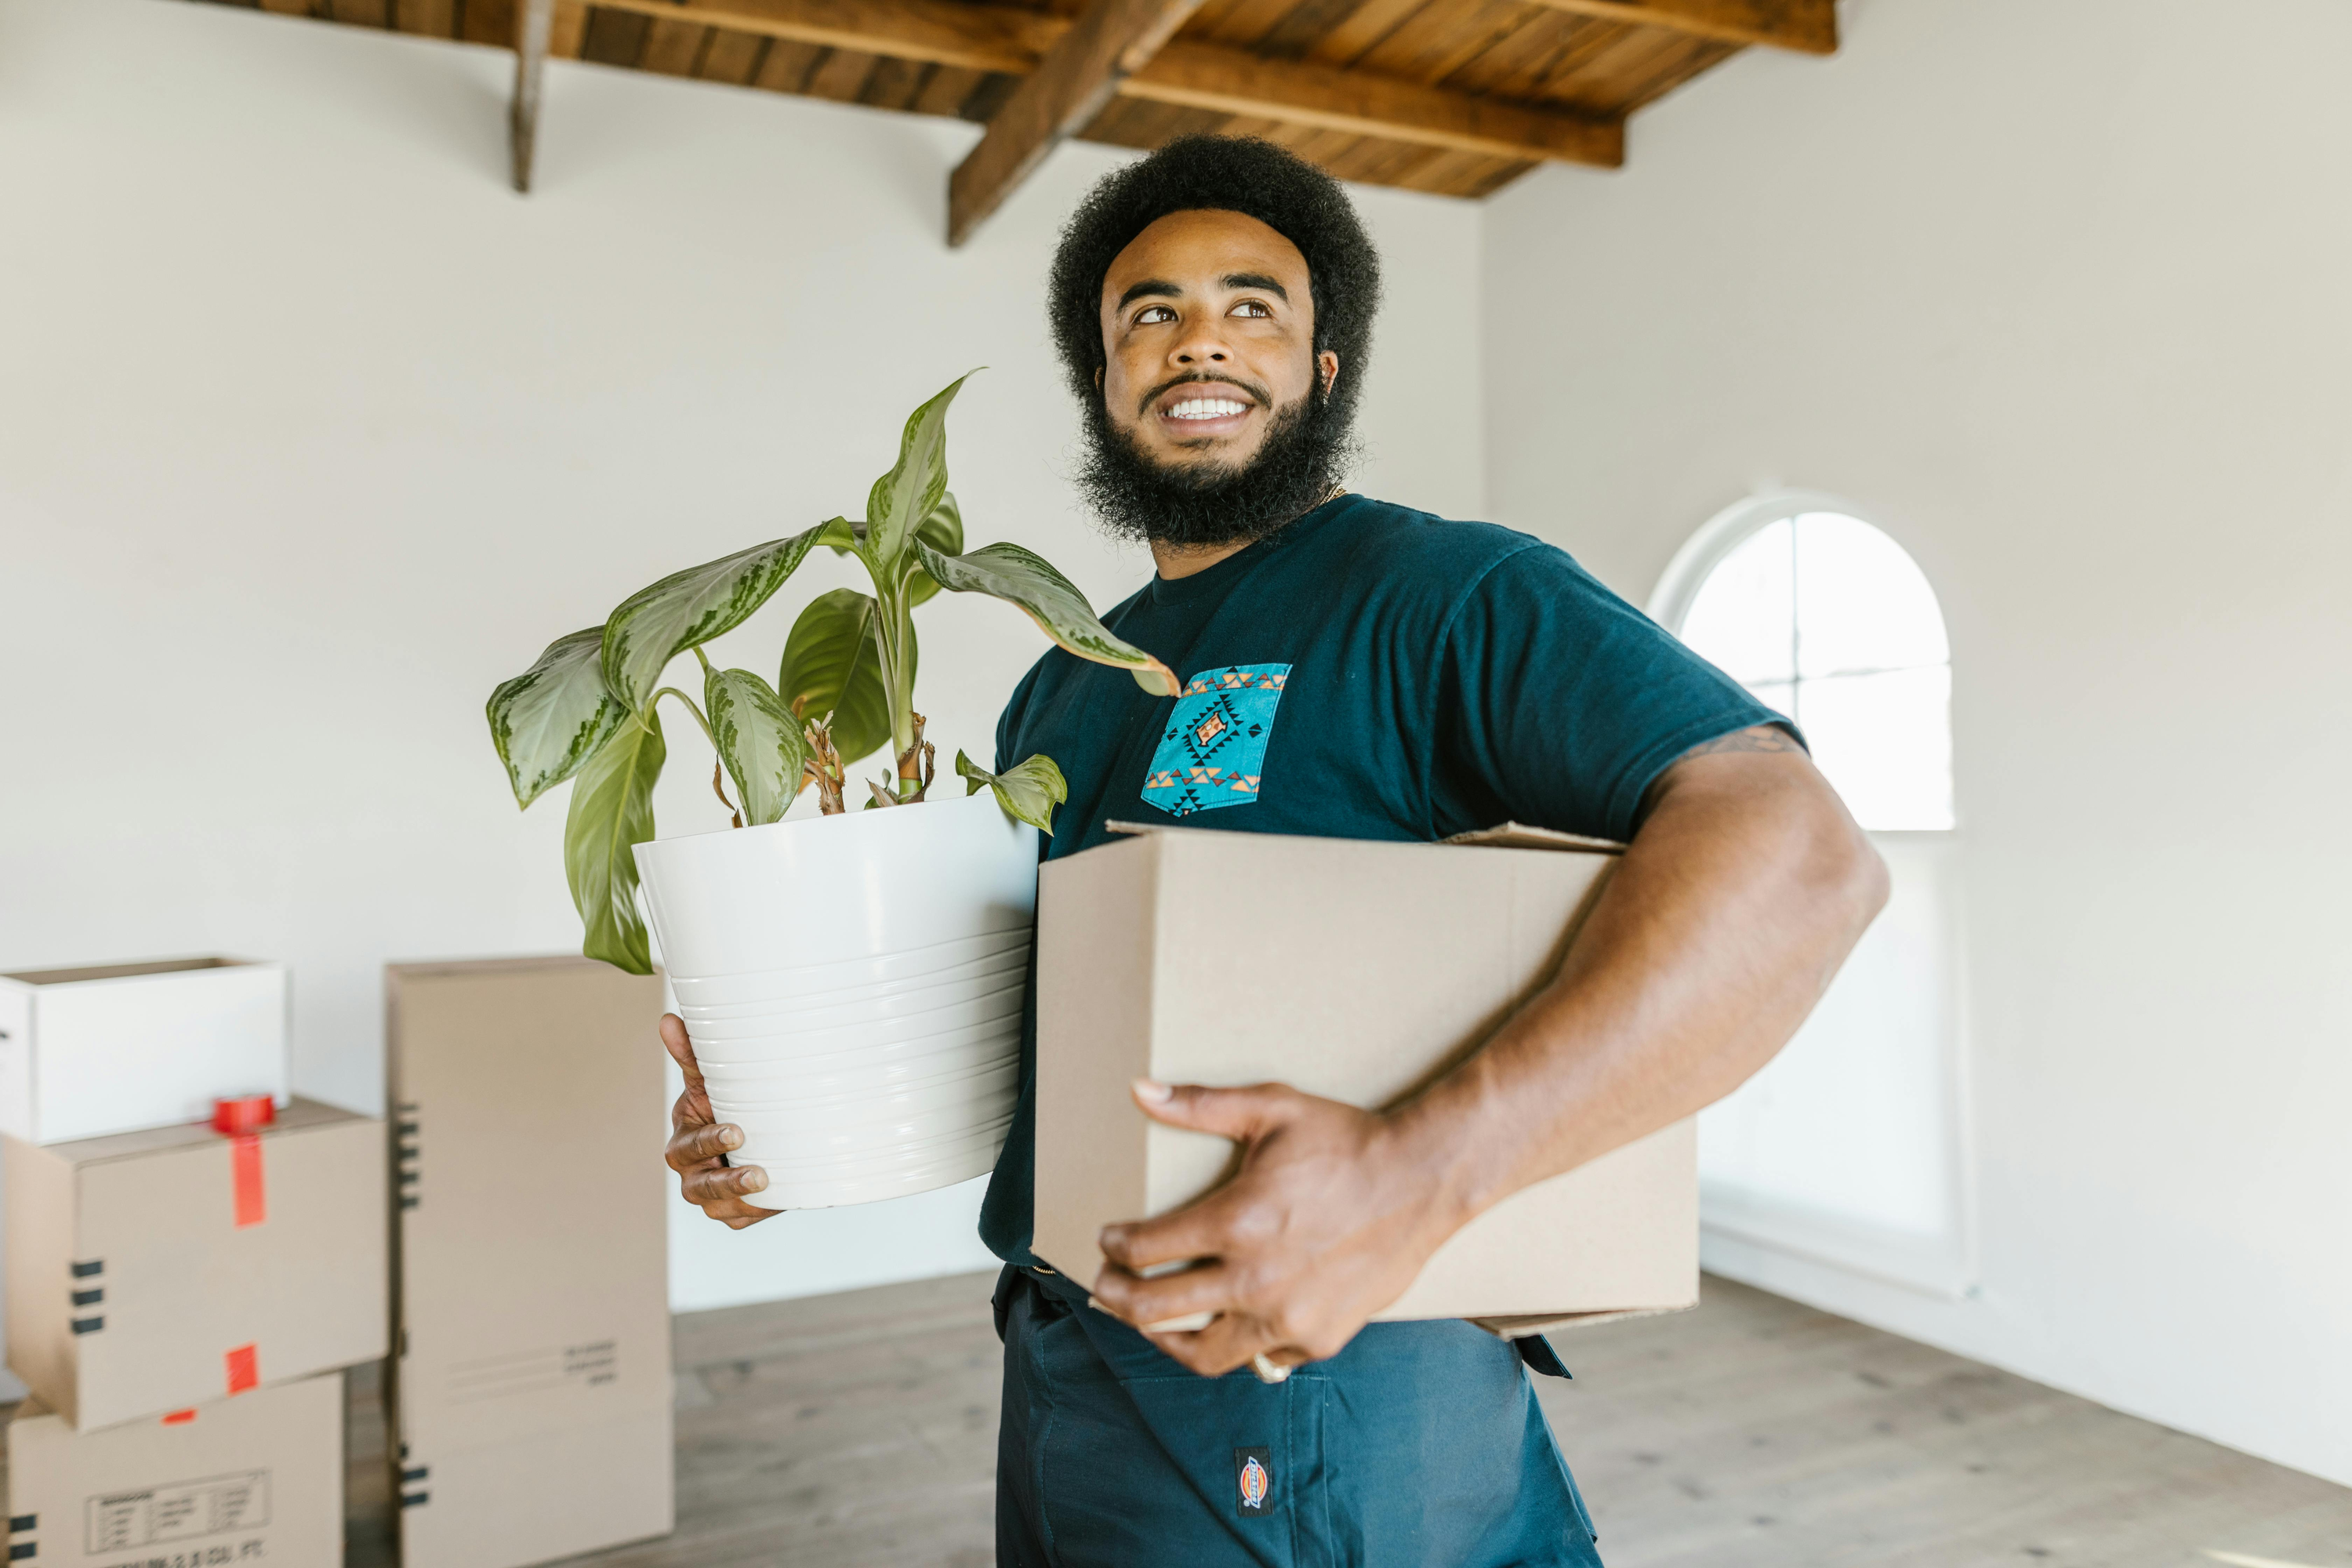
(1208,335)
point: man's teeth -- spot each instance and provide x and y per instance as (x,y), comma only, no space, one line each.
(1207,408)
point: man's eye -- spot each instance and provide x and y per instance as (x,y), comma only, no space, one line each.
(1152,315)
(1251,308)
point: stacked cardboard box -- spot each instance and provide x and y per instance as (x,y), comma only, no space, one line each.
(253,1480)
(532,1383)
(179,1300)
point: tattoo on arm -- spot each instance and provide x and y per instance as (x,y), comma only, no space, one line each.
(1762,737)
(1759,738)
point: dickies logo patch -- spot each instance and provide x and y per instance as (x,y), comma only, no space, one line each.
(1212,751)
(1253,1479)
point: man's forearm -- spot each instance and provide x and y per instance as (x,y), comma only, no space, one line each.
(1745,889)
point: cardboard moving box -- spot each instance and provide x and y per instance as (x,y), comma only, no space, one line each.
(150,1271)
(89,1052)
(254,1479)
(1355,970)
(532,1258)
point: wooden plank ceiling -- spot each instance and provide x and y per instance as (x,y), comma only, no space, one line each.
(1453,97)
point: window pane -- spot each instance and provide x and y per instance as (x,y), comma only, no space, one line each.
(1861,602)
(1885,742)
(1854,1119)
(1743,619)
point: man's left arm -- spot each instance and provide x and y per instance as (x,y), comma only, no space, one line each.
(1741,893)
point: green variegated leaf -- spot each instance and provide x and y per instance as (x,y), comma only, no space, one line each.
(902,498)
(547,720)
(656,625)
(830,665)
(611,812)
(759,740)
(1028,791)
(943,532)
(1021,577)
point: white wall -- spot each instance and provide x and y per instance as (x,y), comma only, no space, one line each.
(311,431)
(2058,291)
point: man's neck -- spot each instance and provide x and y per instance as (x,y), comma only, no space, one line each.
(1176,561)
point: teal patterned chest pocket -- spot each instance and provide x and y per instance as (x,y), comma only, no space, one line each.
(1213,752)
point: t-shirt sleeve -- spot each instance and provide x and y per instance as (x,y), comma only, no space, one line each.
(1560,703)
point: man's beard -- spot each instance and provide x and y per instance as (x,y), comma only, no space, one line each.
(1308,447)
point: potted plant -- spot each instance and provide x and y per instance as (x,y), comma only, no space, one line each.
(852,981)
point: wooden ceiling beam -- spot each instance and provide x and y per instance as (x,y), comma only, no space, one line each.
(1110,42)
(534,23)
(1230,81)
(941,32)
(1233,82)
(1809,26)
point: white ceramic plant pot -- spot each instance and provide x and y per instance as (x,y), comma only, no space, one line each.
(853,985)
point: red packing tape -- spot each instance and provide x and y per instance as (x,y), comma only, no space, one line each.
(244,1368)
(179,1417)
(250,1195)
(243,1112)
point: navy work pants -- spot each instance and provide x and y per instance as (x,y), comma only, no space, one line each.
(1419,1445)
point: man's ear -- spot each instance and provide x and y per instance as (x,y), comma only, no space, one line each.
(1327,366)
(1098,375)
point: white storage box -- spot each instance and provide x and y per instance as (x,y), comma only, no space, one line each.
(88,1053)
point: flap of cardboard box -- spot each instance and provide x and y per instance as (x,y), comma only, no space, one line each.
(1542,1323)
(300,1115)
(1502,836)
(129,971)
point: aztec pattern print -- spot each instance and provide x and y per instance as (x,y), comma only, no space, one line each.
(1213,752)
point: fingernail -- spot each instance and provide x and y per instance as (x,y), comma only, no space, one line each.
(730,1137)
(1148,1090)
(1095,1302)
(755,1180)
(1112,1236)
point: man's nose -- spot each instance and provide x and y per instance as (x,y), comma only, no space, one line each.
(1201,347)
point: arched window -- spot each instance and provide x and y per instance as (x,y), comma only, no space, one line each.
(1826,619)
(1846,1149)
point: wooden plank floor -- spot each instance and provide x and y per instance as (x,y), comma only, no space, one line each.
(859,1431)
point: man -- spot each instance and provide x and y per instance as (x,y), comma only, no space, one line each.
(1410,678)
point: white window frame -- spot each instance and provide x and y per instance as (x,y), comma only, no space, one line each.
(1945,1265)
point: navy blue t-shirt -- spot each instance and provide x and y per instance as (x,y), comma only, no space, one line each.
(1369,672)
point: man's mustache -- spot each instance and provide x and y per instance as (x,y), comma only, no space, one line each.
(1265,396)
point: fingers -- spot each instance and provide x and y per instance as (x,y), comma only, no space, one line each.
(697,1150)
(1145,1302)
(1225,1344)
(694,1105)
(1208,1227)
(723,1185)
(680,1048)
(701,1144)
(1240,1114)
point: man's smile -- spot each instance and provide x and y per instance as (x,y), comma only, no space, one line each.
(1201,409)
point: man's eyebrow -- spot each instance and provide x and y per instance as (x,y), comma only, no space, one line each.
(1149,285)
(1256,280)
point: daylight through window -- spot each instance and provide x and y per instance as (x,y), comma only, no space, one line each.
(1826,619)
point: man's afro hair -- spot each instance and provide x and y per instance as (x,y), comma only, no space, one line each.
(1242,174)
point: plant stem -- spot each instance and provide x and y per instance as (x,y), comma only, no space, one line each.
(898,623)
(707,733)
